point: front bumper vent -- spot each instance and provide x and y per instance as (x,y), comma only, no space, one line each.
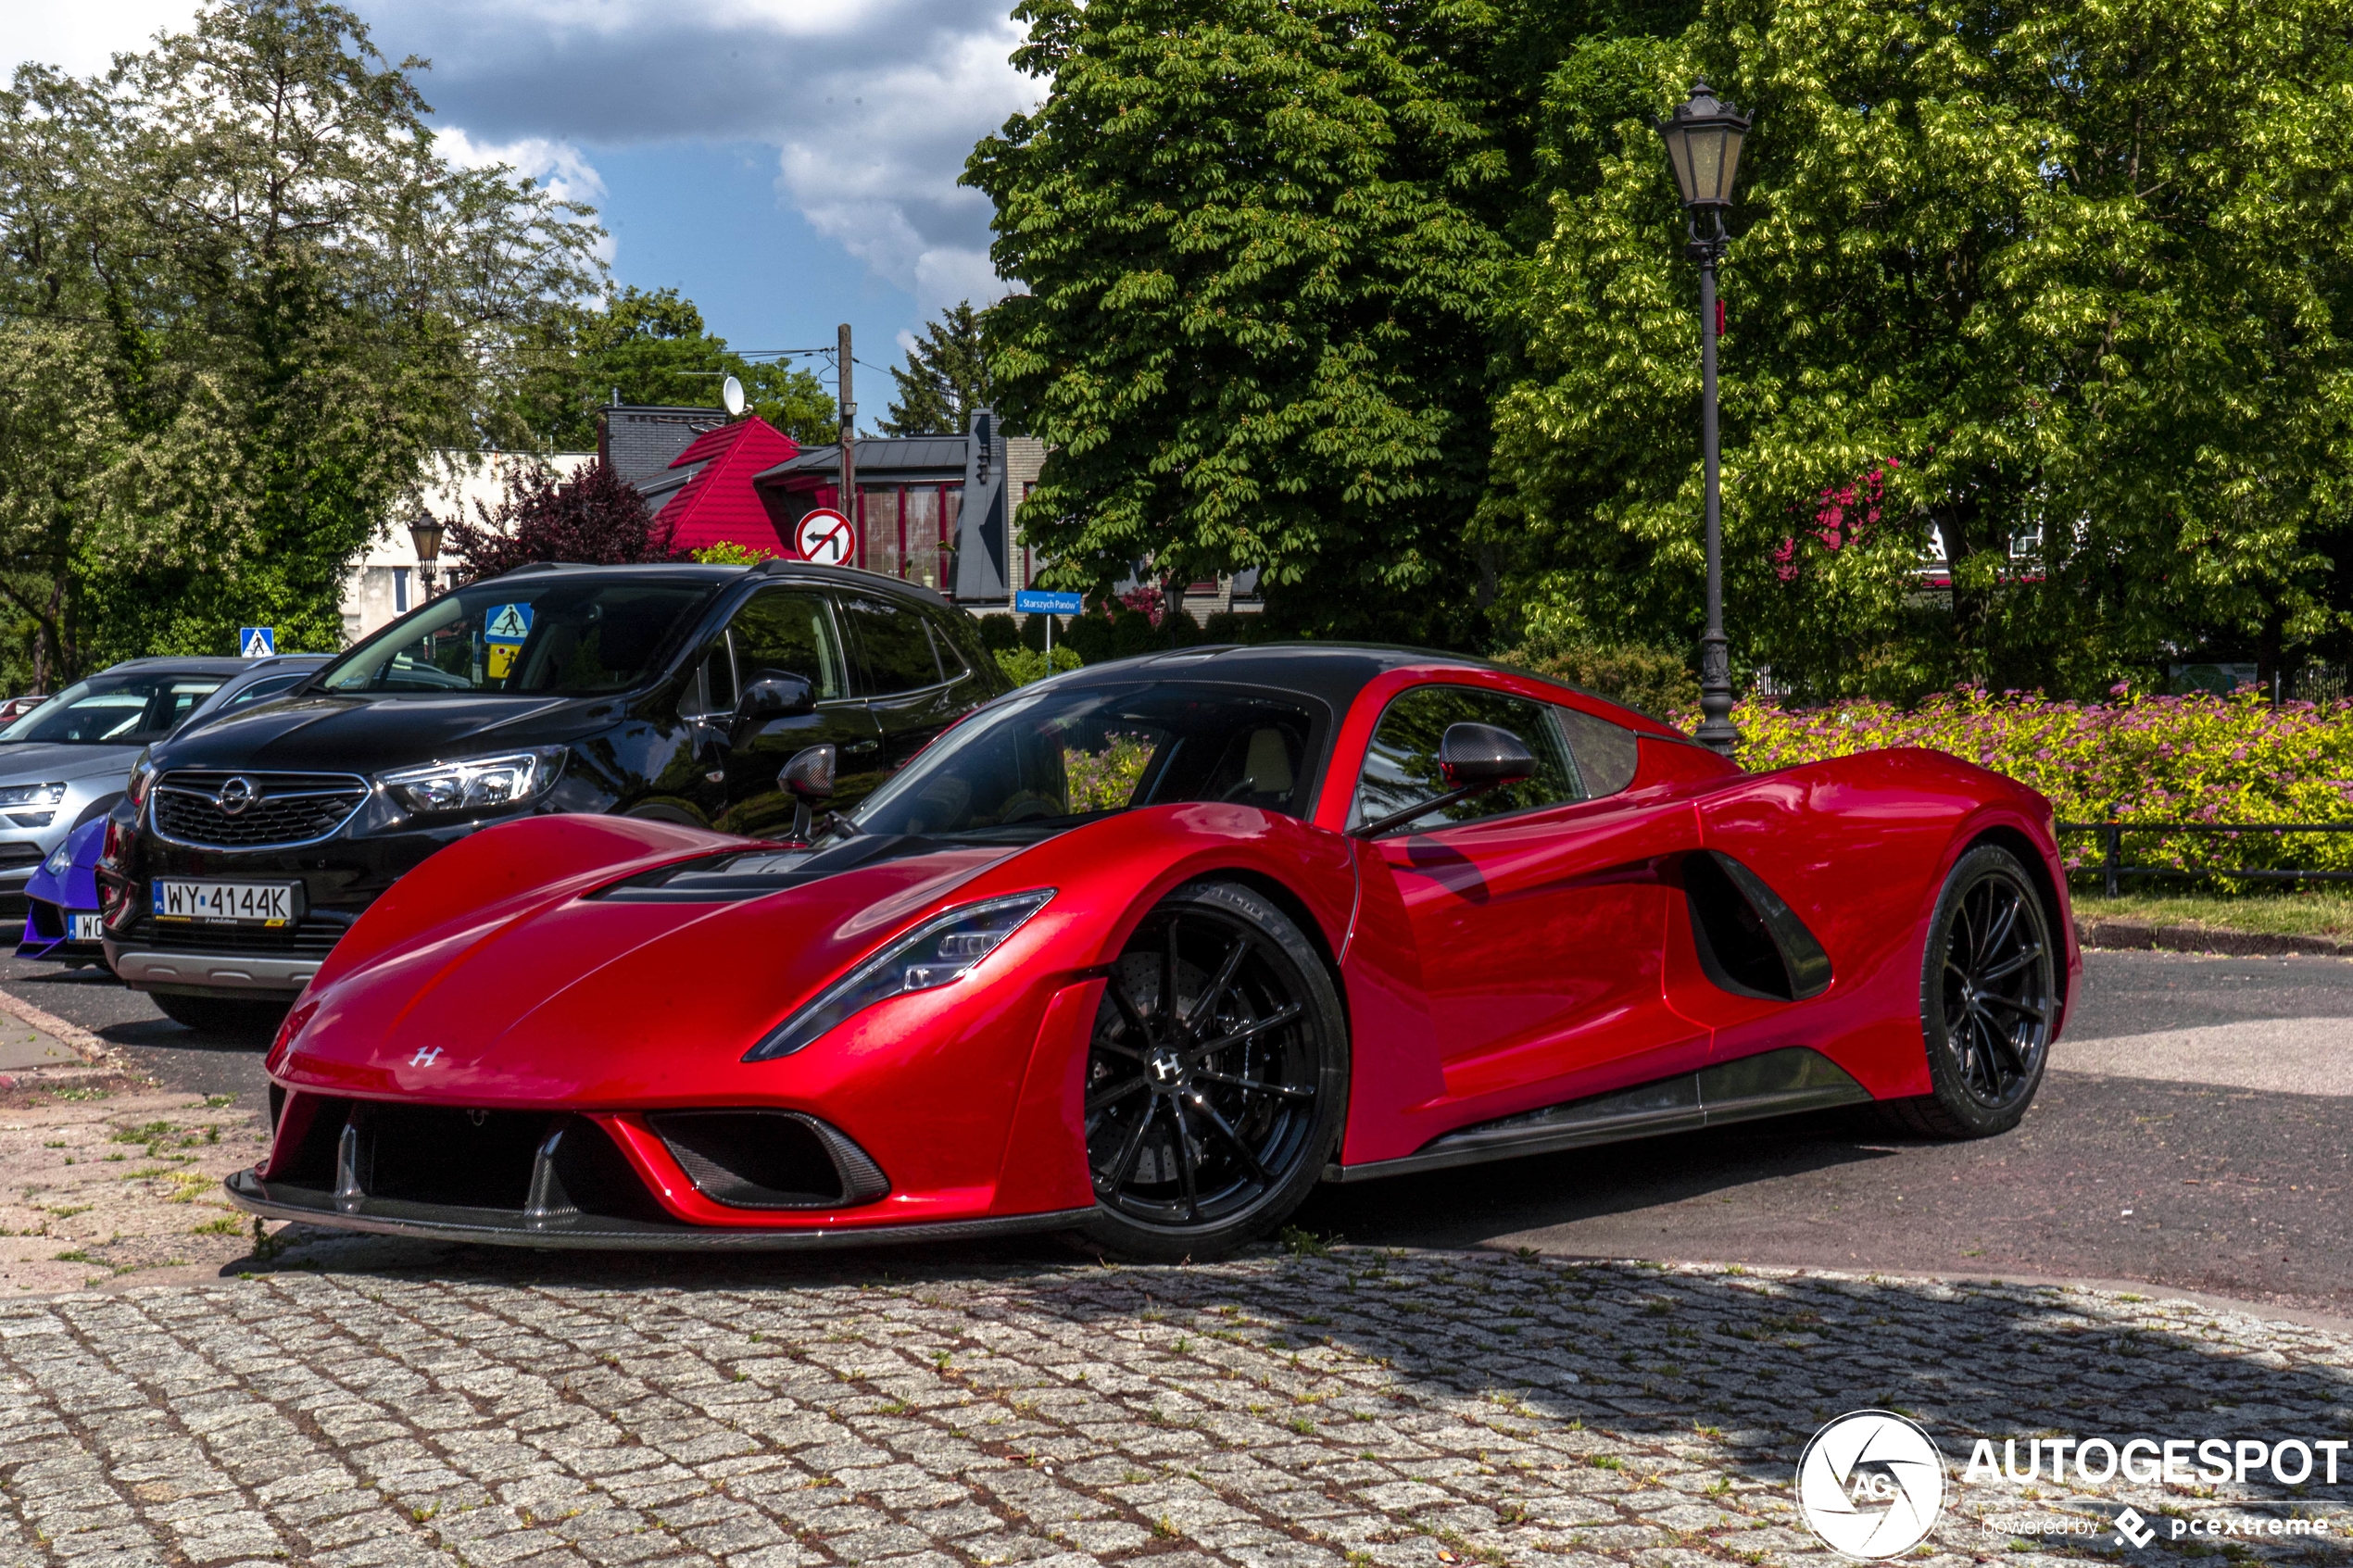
(540,1173)
(769,1160)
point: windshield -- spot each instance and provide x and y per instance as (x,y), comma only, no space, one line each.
(545,633)
(114,710)
(1062,755)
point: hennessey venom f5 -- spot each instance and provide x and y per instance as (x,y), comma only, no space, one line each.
(1145,951)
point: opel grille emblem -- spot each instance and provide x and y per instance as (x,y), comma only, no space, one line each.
(236,795)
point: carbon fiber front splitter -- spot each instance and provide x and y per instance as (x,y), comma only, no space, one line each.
(507,1227)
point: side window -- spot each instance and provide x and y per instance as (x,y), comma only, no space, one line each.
(1401,765)
(713,689)
(951,663)
(789,630)
(895,642)
(1605,754)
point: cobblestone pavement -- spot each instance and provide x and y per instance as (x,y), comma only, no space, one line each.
(1323,1409)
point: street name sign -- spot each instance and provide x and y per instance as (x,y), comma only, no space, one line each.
(1037,601)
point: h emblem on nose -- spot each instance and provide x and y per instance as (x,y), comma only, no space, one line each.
(425,1056)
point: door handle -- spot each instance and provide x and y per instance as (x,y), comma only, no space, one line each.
(858,747)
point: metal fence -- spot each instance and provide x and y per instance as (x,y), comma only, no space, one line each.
(2112,869)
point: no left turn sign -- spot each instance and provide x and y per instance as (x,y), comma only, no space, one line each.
(826,537)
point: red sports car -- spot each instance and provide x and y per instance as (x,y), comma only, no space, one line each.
(1145,951)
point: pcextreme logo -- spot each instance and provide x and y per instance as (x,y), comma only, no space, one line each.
(1871,1485)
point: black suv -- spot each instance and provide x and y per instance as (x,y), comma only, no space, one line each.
(675,692)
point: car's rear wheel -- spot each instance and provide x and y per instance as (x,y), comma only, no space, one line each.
(1989,1000)
(224,1015)
(1216,1080)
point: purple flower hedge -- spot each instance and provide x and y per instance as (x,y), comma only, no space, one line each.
(2167,758)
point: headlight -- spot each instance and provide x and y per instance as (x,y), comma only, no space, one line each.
(934,953)
(475,783)
(60,860)
(143,776)
(31,795)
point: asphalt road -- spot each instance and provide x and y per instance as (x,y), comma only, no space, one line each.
(2193,1132)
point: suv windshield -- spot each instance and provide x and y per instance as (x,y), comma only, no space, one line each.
(1047,760)
(548,634)
(114,710)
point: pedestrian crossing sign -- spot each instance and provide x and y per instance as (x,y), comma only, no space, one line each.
(257,642)
(508,624)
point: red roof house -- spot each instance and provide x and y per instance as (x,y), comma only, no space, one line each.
(709,496)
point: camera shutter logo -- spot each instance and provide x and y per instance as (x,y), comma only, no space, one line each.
(1870,1485)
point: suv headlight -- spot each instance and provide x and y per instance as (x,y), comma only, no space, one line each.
(475,783)
(941,949)
(143,778)
(16,795)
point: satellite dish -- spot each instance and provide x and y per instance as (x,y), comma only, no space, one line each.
(731,393)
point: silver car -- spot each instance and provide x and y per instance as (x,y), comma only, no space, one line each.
(69,760)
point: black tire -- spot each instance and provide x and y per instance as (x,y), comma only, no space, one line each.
(1989,1000)
(224,1015)
(1207,1128)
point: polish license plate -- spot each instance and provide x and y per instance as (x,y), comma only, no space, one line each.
(83,928)
(226,903)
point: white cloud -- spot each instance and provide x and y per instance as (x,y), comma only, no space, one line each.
(873,104)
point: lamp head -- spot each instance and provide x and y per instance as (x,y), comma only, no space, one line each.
(1703,139)
(425,534)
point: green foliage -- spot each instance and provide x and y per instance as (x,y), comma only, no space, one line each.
(730,555)
(998,633)
(653,347)
(1105,780)
(254,299)
(2057,285)
(1657,681)
(945,378)
(1023,665)
(2166,759)
(1262,241)
(1123,632)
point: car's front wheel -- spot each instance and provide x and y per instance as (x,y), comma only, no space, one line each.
(1216,1080)
(1989,1000)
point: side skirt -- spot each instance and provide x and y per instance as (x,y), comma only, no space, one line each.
(1772,1083)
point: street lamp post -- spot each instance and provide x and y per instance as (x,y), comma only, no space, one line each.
(425,534)
(1703,139)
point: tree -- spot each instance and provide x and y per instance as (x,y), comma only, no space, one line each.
(2056,287)
(946,378)
(289,300)
(594,517)
(1262,241)
(653,347)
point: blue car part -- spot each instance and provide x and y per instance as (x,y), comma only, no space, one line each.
(65,884)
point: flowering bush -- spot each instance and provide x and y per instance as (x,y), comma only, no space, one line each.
(1102,780)
(2167,758)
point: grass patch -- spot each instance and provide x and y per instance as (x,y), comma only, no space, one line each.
(2315,913)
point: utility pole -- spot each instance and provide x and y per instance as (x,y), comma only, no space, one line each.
(849,499)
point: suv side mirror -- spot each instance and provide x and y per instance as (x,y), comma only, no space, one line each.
(776,694)
(1484,756)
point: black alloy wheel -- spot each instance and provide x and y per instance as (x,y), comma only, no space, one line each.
(1989,1000)
(1217,1079)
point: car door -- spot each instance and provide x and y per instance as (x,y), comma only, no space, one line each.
(789,631)
(907,691)
(1536,909)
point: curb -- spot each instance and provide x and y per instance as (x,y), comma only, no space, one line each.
(2144,936)
(93,1050)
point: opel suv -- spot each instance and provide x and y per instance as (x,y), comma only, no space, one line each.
(673,692)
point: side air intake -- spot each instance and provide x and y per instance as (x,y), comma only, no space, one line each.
(769,1159)
(1750,941)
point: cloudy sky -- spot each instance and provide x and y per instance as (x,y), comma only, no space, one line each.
(787,164)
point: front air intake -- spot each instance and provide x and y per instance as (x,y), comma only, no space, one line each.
(769,1159)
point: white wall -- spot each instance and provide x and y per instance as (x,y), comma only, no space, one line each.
(383,583)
